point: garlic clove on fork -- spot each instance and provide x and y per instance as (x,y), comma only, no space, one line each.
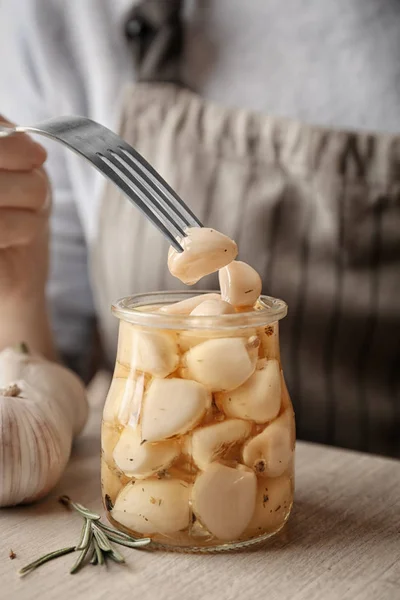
(240,284)
(204,251)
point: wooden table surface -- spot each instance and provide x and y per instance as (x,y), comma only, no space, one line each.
(341,542)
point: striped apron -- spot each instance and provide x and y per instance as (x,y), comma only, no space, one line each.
(315,211)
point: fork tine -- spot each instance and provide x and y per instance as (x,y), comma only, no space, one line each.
(147,193)
(129,188)
(175,202)
(149,190)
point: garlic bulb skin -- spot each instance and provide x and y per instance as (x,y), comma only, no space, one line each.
(49,379)
(42,407)
(35,444)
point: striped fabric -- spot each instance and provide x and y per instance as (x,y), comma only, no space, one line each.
(316,212)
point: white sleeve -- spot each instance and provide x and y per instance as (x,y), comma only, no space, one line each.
(23,100)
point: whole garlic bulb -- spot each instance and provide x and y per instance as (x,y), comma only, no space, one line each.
(42,407)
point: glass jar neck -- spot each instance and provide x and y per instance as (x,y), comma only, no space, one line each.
(141,309)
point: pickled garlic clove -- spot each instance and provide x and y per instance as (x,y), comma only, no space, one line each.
(240,284)
(172,407)
(154,506)
(204,252)
(188,339)
(210,308)
(258,399)
(222,363)
(109,438)
(288,414)
(269,453)
(111,482)
(212,442)
(273,502)
(153,352)
(122,371)
(185,307)
(223,500)
(141,459)
(286,402)
(123,401)
(269,337)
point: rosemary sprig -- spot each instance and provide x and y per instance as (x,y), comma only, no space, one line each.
(80,560)
(95,542)
(98,557)
(46,558)
(85,535)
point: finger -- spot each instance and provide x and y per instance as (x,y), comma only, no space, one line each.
(19,227)
(23,189)
(19,152)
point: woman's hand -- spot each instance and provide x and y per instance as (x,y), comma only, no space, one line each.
(24,212)
(24,243)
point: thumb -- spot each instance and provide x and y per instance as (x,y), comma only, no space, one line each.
(19,152)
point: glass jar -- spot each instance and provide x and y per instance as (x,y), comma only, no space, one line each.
(198,432)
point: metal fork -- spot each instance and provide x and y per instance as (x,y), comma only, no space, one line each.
(122,165)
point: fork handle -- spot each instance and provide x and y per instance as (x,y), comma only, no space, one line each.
(7,130)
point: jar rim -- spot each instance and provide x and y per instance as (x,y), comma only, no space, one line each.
(130,309)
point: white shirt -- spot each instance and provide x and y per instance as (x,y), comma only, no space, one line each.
(333,63)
